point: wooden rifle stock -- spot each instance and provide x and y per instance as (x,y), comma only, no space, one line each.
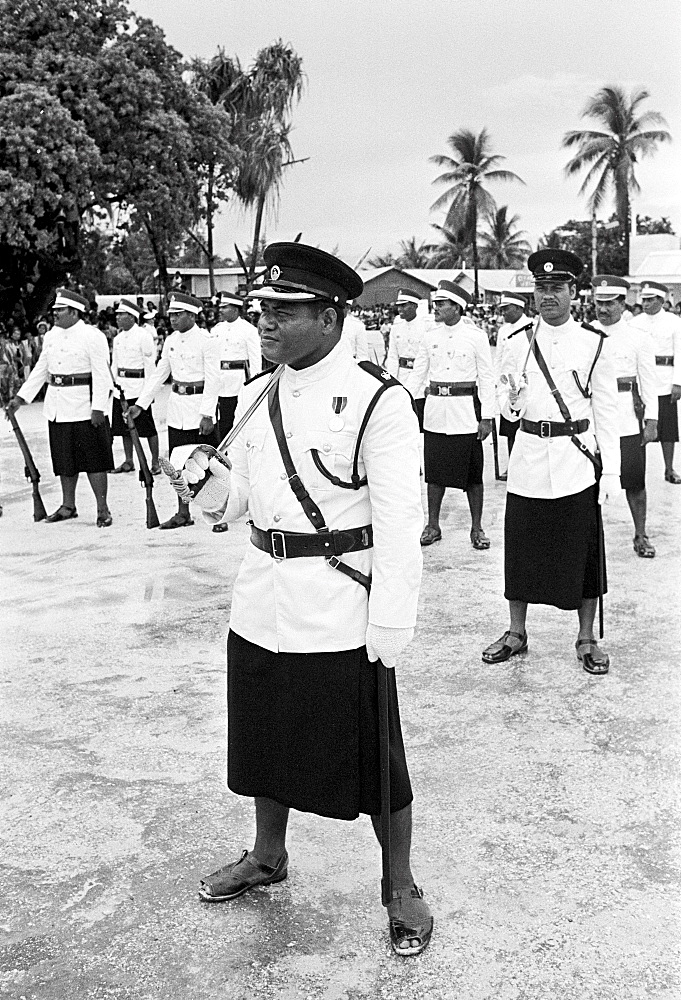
(30,468)
(146,478)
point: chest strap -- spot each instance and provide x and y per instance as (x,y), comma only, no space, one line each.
(312,511)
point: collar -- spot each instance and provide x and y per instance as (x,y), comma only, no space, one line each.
(322,369)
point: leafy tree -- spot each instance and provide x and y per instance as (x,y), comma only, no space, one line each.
(646,226)
(466,172)
(609,155)
(413,255)
(503,244)
(575,235)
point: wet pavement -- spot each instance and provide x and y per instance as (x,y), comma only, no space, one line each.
(547,802)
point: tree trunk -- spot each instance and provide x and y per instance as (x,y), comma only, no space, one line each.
(162,264)
(474,235)
(209,227)
(256,237)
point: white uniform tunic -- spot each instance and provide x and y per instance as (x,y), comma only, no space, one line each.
(405,341)
(665,330)
(303,604)
(192,356)
(458,353)
(503,333)
(633,356)
(355,336)
(133,349)
(75,351)
(548,468)
(239,341)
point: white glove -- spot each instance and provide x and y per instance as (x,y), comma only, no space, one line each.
(386,644)
(206,474)
(609,488)
(517,386)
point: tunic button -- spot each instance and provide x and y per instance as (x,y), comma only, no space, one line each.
(283,475)
(296,393)
(289,434)
(327,447)
(277,517)
(248,444)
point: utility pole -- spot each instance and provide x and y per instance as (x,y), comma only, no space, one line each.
(594,244)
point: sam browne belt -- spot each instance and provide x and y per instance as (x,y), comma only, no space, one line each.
(553,428)
(188,388)
(131,372)
(66,380)
(230,365)
(406,362)
(293,544)
(452,389)
(664,359)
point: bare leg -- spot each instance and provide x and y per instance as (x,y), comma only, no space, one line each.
(587,616)
(68,490)
(435,496)
(668,454)
(99,482)
(518,612)
(410,910)
(637,505)
(127,448)
(153,448)
(271,819)
(475,496)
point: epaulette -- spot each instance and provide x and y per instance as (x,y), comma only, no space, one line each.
(265,371)
(380,373)
(592,329)
(521,329)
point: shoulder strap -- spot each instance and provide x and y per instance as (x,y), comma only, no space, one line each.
(521,329)
(585,390)
(265,371)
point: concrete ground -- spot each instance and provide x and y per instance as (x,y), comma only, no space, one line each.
(547,801)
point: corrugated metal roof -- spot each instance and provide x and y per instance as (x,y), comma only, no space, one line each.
(659,265)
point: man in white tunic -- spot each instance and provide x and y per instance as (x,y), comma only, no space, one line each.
(406,337)
(302,694)
(512,309)
(559,383)
(633,356)
(354,334)
(240,357)
(74,364)
(133,360)
(454,369)
(190,356)
(665,329)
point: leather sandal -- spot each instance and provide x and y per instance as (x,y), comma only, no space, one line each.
(479,539)
(430,535)
(672,477)
(408,936)
(218,528)
(156,470)
(643,548)
(104,520)
(125,467)
(593,659)
(501,650)
(236,878)
(177,521)
(62,513)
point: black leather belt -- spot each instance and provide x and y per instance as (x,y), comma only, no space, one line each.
(664,359)
(452,388)
(553,428)
(406,362)
(131,372)
(293,544)
(62,380)
(188,388)
(626,384)
(228,365)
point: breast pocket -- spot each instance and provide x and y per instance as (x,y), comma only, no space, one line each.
(255,443)
(327,454)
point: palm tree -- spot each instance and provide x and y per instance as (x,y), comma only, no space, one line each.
(414,256)
(383,260)
(472,166)
(610,155)
(503,245)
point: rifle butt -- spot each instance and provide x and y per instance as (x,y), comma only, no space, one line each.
(39,512)
(152,516)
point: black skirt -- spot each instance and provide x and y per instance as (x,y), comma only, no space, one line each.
(303,730)
(508,428)
(454,460)
(178,437)
(551,549)
(633,463)
(667,419)
(226,411)
(77,446)
(420,406)
(144,424)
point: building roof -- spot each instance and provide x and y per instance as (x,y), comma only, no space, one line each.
(661,265)
(495,281)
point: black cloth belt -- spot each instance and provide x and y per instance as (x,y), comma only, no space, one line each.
(452,388)
(626,384)
(553,428)
(406,362)
(293,544)
(664,359)
(62,380)
(229,365)
(188,388)
(131,372)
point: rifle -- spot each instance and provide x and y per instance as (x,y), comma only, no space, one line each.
(495,446)
(145,476)
(30,468)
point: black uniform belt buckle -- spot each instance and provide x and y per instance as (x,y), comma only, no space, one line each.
(131,372)
(232,365)
(406,362)
(545,428)
(664,359)
(278,545)
(57,380)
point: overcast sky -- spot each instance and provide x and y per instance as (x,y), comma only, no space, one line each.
(389,80)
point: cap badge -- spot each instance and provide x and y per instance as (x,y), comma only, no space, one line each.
(604,282)
(275,273)
(548,266)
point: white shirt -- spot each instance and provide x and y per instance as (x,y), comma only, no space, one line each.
(192,356)
(503,333)
(133,349)
(665,330)
(458,353)
(633,356)
(304,605)
(548,468)
(75,351)
(405,341)
(355,336)
(239,341)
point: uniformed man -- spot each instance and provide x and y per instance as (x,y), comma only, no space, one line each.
(453,368)
(302,696)
(665,330)
(190,356)
(633,356)
(240,356)
(74,364)
(512,309)
(133,361)
(559,383)
(354,334)
(405,338)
